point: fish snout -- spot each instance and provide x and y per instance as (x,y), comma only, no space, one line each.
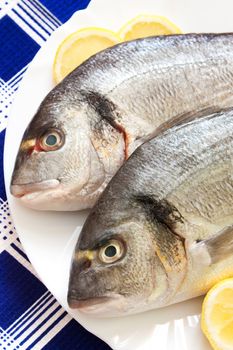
(82,289)
(82,294)
(88,293)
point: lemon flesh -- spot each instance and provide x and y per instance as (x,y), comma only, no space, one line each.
(84,43)
(146,25)
(78,47)
(217,315)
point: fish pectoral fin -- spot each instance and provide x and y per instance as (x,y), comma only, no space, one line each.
(214,249)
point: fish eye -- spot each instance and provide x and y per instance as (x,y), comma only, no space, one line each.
(111,252)
(52,140)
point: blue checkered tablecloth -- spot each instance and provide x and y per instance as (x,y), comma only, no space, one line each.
(30,317)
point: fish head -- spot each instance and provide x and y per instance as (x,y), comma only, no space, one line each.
(115,269)
(57,166)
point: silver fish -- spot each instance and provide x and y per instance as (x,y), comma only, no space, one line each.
(93,121)
(162,231)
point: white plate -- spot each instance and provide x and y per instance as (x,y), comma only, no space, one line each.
(48,237)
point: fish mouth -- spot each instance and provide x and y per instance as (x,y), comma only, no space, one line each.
(106,306)
(87,303)
(21,190)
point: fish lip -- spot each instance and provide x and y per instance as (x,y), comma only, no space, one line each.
(113,304)
(85,303)
(21,190)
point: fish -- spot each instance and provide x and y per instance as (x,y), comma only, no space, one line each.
(162,231)
(90,123)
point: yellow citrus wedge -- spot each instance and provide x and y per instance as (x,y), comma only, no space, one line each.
(217,315)
(147,25)
(78,47)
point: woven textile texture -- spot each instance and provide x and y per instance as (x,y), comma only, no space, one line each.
(30,317)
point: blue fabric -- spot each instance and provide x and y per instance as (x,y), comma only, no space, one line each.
(65,8)
(30,317)
(18,299)
(2,184)
(21,51)
(77,340)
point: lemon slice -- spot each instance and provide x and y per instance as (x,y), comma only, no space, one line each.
(217,315)
(78,47)
(147,25)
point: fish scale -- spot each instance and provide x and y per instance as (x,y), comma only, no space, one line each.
(171,204)
(110,105)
